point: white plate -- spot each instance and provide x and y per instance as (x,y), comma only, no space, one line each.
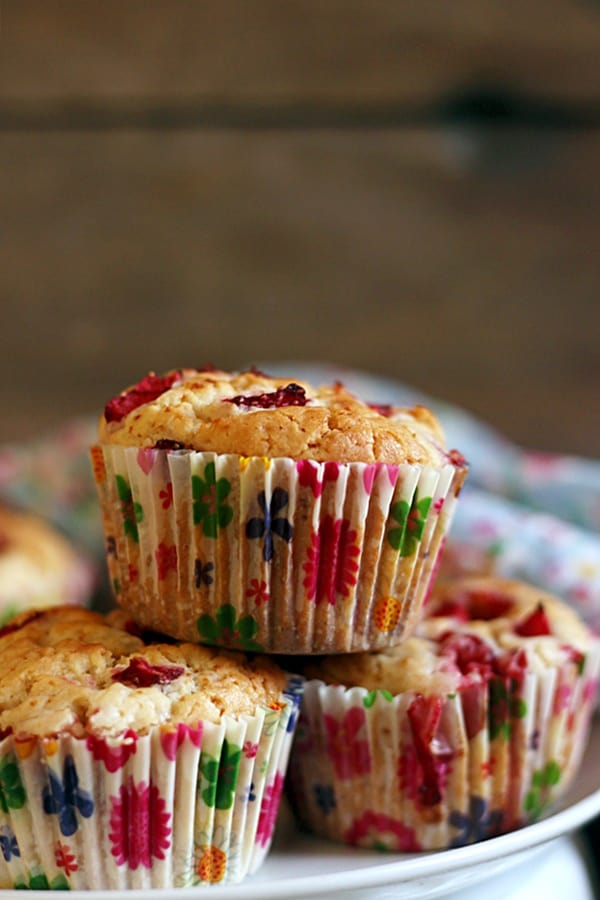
(302,866)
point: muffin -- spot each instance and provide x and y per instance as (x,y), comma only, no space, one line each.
(470,728)
(38,567)
(130,762)
(269,514)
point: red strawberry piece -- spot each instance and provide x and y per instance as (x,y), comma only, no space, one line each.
(456,458)
(290,395)
(575,656)
(146,390)
(511,665)
(166,444)
(487,605)
(535,624)
(452,609)
(470,653)
(384,409)
(141,673)
(424,714)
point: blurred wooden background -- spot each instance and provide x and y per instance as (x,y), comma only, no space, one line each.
(407,188)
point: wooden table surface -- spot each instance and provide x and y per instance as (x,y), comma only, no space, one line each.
(409,193)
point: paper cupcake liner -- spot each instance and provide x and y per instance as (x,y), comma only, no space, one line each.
(272,554)
(176,807)
(481,762)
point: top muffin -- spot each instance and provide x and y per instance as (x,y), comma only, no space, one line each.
(252,414)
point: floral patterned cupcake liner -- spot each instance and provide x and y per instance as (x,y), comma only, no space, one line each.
(413,772)
(176,807)
(272,554)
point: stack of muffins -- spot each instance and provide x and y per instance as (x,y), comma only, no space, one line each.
(265,516)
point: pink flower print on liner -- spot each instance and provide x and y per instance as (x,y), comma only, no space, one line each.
(145,459)
(349,753)
(250,749)
(331,565)
(166,559)
(114,756)
(409,774)
(166,495)
(371,829)
(371,470)
(308,474)
(268,810)
(589,690)
(171,740)
(139,825)
(562,698)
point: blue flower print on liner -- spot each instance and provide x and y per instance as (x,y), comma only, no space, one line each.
(250,793)
(203,573)
(8,844)
(111,546)
(476,825)
(64,800)
(324,797)
(294,691)
(270,524)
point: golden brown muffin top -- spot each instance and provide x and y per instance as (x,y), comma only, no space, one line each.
(473,628)
(70,670)
(252,414)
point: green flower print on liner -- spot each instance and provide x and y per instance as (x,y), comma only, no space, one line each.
(219,776)
(208,495)
(38,881)
(411,522)
(371,697)
(132,512)
(12,791)
(504,705)
(225,630)
(537,796)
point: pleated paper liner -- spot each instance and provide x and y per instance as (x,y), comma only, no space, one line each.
(172,808)
(273,554)
(410,772)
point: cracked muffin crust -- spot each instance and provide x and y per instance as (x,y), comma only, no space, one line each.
(251,414)
(70,670)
